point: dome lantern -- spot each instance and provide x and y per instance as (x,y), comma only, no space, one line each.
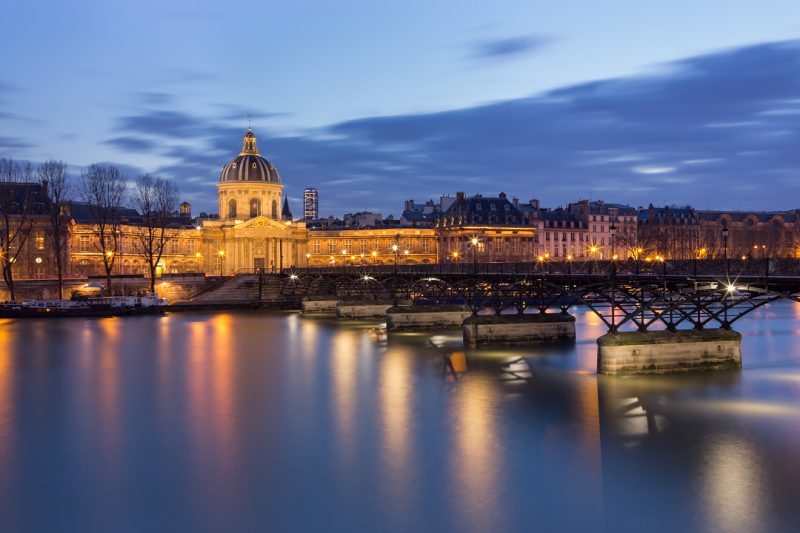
(249,144)
(249,165)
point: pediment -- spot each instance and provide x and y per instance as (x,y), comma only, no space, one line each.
(262,223)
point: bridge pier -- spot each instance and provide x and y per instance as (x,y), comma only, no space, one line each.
(362,309)
(425,317)
(326,305)
(519,329)
(663,352)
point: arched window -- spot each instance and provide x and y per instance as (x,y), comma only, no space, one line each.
(255,207)
(232,208)
(274,209)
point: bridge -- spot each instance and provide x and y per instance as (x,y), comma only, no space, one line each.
(651,309)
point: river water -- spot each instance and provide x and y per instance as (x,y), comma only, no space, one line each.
(277,422)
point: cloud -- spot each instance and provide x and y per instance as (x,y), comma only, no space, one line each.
(13,142)
(510,47)
(132,144)
(625,140)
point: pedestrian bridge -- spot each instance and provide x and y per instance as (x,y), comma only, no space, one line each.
(675,297)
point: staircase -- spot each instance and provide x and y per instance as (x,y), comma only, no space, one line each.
(242,289)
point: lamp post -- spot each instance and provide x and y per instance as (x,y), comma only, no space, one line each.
(374,257)
(474,242)
(725,247)
(638,257)
(613,230)
(569,265)
(395,248)
(221,254)
(344,258)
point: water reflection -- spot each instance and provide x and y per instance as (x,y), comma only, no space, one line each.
(477,456)
(344,379)
(396,391)
(733,486)
(250,422)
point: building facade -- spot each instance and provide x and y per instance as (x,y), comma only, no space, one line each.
(250,234)
(685,233)
(484,229)
(372,246)
(310,204)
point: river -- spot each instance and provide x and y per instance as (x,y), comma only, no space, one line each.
(249,421)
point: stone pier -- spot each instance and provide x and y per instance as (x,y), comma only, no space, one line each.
(539,328)
(425,317)
(663,352)
(362,310)
(325,305)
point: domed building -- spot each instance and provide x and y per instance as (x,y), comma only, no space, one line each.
(255,230)
(249,186)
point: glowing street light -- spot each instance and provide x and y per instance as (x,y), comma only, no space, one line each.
(475,242)
(221,255)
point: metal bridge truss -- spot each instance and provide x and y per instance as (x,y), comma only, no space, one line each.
(641,303)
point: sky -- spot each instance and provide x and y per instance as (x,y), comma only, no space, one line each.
(373,103)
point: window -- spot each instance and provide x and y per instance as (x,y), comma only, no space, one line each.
(38,241)
(255,207)
(84,243)
(232,208)
(275,209)
(426,246)
(332,247)
(190,246)
(316,246)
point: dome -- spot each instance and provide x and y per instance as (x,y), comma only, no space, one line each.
(249,165)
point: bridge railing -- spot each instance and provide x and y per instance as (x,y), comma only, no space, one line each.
(753,267)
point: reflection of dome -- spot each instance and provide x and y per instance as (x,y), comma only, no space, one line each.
(250,166)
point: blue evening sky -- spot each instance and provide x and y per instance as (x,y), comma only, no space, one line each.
(373,102)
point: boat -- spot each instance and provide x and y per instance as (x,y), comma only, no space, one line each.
(148,304)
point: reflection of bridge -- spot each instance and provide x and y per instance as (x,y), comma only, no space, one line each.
(629,297)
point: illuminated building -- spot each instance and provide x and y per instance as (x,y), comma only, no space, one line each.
(372,246)
(310,204)
(249,234)
(484,229)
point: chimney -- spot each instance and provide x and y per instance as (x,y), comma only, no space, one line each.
(515,201)
(535,203)
(186,209)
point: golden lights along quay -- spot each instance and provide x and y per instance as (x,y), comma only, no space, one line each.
(479,364)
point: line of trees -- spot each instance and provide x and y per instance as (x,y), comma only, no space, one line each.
(105,190)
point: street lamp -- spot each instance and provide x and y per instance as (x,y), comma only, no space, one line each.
(308,258)
(395,248)
(221,255)
(344,258)
(725,247)
(474,242)
(569,264)
(613,230)
(374,257)
(593,253)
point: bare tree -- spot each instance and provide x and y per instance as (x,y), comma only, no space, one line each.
(103,188)
(55,182)
(15,215)
(157,200)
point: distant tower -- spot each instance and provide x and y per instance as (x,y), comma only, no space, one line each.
(311,204)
